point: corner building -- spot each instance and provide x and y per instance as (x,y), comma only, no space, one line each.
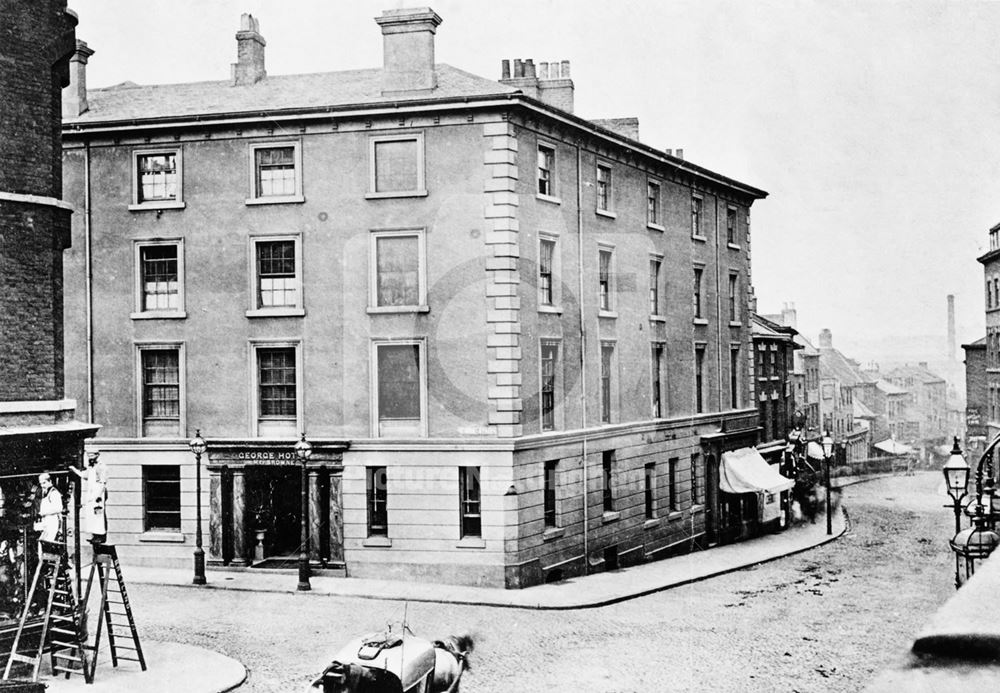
(518,340)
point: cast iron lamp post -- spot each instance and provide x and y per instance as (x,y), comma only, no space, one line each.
(956,478)
(975,544)
(198,447)
(303,450)
(827,455)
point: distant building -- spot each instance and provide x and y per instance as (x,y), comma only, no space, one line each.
(977,394)
(774,349)
(519,341)
(990,261)
(928,404)
(840,380)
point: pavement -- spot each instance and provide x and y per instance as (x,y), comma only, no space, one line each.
(178,667)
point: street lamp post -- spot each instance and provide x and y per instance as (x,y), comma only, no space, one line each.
(198,447)
(956,478)
(975,544)
(303,450)
(827,455)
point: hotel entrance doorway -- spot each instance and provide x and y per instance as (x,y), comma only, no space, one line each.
(274,510)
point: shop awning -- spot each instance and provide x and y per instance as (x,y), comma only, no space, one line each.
(893,448)
(745,471)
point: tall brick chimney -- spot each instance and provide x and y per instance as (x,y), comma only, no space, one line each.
(249,66)
(408,49)
(74,97)
(825,339)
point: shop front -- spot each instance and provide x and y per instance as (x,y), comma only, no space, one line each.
(751,491)
(256,504)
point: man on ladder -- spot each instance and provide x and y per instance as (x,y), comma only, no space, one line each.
(95,496)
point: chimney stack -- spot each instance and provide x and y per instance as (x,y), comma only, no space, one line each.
(549,83)
(951,327)
(408,49)
(789,316)
(74,96)
(825,339)
(249,66)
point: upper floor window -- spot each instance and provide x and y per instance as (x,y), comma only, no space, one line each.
(653,204)
(605,279)
(156,179)
(160,394)
(734,312)
(731,238)
(276,174)
(546,170)
(607,364)
(469,501)
(699,379)
(657,380)
(396,165)
(277,390)
(734,376)
(399,281)
(159,279)
(603,188)
(655,264)
(696,205)
(400,389)
(276,276)
(698,272)
(549,364)
(547,285)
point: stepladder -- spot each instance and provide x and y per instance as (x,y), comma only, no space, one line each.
(61,630)
(115,611)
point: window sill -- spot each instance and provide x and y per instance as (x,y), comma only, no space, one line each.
(154,206)
(611,516)
(675,515)
(551,533)
(606,213)
(610,314)
(733,246)
(395,193)
(735,323)
(471,543)
(159,315)
(697,509)
(162,537)
(276,313)
(655,227)
(276,200)
(657,318)
(548,198)
(651,523)
(554,310)
(377,541)
(700,321)
(701,239)
(377,310)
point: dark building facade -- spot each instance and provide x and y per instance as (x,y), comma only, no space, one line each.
(37,427)
(977,411)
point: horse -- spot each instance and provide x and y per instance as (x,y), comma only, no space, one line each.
(451,659)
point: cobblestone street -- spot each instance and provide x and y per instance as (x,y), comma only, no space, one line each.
(823,620)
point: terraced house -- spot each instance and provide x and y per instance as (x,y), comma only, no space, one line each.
(518,340)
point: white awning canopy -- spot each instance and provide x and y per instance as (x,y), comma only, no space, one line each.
(745,471)
(893,448)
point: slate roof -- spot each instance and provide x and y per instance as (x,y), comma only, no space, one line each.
(861,410)
(888,388)
(762,327)
(130,101)
(918,373)
(836,365)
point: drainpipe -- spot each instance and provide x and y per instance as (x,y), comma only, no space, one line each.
(583,358)
(89,272)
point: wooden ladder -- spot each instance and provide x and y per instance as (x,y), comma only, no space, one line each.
(115,607)
(61,628)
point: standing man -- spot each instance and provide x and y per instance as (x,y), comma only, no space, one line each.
(50,507)
(95,495)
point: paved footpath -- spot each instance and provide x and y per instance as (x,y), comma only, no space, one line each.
(594,590)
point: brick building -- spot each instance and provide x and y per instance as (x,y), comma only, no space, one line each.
(37,427)
(990,261)
(977,408)
(518,340)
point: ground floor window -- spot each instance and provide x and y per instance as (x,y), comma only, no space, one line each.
(161,498)
(469,493)
(377,493)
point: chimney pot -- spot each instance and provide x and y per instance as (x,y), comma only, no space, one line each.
(669,152)
(505,69)
(518,68)
(408,49)
(543,70)
(529,68)
(679,153)
(74,96)
(564,72)
(249,66)
(826,338)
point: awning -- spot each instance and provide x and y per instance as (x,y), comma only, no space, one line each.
(815,450)
(893,448)
(745,471)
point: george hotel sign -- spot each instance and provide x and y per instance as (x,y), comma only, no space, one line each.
(274,457)
(242,453)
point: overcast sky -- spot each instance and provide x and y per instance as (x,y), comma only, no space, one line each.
(869,123)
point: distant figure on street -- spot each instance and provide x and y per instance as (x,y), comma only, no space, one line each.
(95,496)
(50,507)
